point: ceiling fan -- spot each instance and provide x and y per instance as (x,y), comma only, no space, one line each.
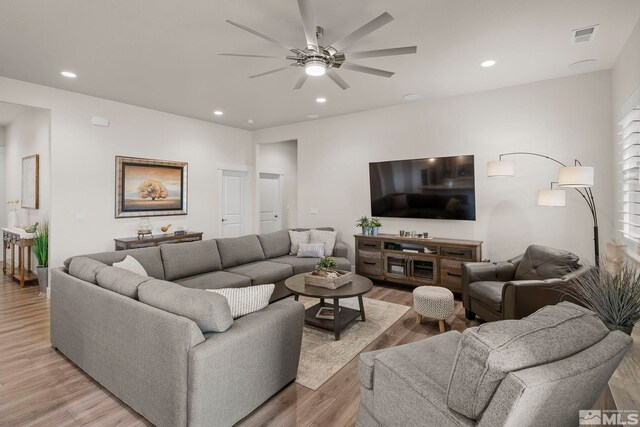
(318,60)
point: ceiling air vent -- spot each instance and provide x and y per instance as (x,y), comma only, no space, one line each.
(583,35)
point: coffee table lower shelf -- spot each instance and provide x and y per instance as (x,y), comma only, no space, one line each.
(346,316)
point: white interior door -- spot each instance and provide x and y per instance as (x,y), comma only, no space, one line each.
(270,202)
(233,215)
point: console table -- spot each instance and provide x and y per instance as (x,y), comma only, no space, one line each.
(158,239)
(415,261)
(13,238)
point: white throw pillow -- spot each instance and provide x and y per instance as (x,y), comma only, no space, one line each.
(311,250)
(326,237)
(243,301)
(297,238)
(131,264)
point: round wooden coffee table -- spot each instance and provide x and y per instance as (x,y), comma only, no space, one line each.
(342,317)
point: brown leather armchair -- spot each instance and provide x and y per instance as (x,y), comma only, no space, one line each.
(516,288)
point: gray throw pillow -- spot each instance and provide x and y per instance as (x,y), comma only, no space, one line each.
(208,310)
(311,250)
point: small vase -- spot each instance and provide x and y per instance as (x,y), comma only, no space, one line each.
(374,230)
(43,279)
(12,219)
(626,329)
(366,231)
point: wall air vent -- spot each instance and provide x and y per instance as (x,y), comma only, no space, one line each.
(583,35)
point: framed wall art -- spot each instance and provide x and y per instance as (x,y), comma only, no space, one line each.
(147,187)
(30,189)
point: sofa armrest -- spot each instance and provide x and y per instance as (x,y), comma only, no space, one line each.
(521,298)
(234,372)
(340,250)
(484,271)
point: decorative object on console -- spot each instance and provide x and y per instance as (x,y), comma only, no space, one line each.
(365,224)
(612,292)
(30,188)
(12,219)
(375,226)
(319,60)
(578,177)
(146,187)
(144,228)
(40,246)
(165,228)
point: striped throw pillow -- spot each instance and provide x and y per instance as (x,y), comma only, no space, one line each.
(311,250)
(131,264)
(243,301)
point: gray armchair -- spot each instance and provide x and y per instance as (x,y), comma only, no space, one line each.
(518,287)
(507,373)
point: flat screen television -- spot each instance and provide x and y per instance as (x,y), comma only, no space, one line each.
(433,188)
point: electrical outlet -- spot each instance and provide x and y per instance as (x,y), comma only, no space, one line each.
(313,211)
(81,216)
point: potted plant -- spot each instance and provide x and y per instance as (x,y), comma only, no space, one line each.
(40,247)
(612,292)
(326,265)
(365,224)
(375,225)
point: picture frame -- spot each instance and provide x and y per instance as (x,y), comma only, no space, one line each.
(30,185)
(150,187)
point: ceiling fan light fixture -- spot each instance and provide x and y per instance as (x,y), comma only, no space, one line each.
(315,67)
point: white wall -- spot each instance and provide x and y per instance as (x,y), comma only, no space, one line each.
(83,163)
(564,118)
(27,135)
(282,157)
(3,199)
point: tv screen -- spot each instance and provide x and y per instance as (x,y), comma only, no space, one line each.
(434,188)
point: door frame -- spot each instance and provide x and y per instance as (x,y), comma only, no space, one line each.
(247,223)
(283,214)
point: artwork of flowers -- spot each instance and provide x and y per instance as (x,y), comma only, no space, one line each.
(146,187)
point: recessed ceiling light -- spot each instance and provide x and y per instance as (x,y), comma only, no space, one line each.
(250,121)
(218,113)
(488,63)
(312,116)
(69,74)
(321,100)
(412,97)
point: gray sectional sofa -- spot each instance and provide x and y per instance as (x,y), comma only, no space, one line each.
(165,365)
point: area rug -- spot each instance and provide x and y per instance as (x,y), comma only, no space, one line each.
(322,356)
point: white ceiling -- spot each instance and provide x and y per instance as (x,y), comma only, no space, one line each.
(10,112)
(162,54)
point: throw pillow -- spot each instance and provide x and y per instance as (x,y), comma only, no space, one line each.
(298,237)
(311,250)
(131,264)
(326,237)
(243,301)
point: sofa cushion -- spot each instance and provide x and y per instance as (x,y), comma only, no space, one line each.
(150,259)
(489,293)
(263,272)
(121,281)
(275,244)
(210,311)
(190,259)
(305,265)
(85,268)
(240,250)
(541,263)
(246,300)
(215,280)
(487,353)
(433,357)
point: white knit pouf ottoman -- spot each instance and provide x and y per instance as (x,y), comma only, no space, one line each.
(434,302)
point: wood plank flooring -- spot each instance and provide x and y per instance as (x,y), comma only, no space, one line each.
(40,387)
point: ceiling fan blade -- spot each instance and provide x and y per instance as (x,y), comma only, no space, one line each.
(361,32)
(368,70)
(250,56)
(337,79)
(308,24)
(268,72)
(303,78)
(259,34)
(382,52)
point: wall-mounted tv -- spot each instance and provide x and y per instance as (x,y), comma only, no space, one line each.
(434,188)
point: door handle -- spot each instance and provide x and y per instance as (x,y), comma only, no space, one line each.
(276,216)
(224,219)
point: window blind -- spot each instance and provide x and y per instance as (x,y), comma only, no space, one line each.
(629,141)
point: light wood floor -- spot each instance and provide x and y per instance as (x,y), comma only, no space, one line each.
(41,387)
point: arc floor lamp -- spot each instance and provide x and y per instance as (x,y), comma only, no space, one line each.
(578,177)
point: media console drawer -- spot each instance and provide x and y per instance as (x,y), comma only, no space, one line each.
(370,266)
(454,252)
(369,245)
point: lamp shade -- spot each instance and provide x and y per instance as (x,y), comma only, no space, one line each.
(576,176)
(500,168)
(552,198)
